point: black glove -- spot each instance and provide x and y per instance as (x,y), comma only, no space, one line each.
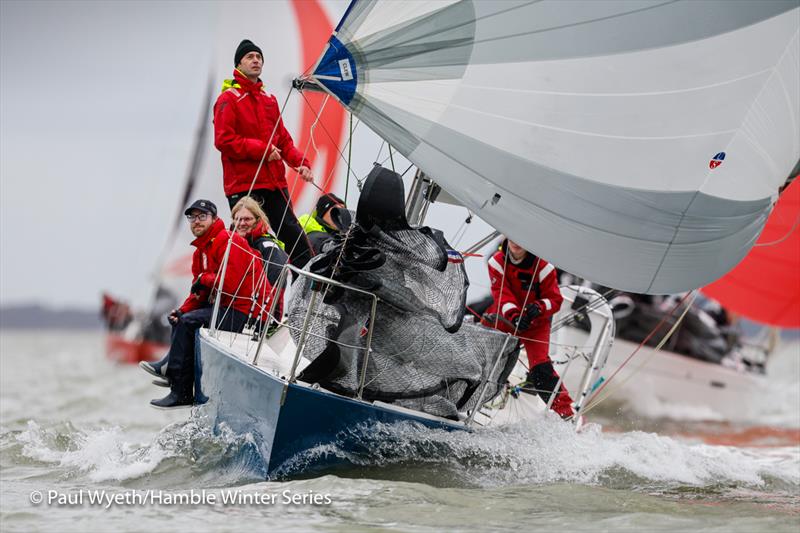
(521,322)
(532,311)
(197,287)
(173,316)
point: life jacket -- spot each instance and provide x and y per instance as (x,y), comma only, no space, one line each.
(310,223)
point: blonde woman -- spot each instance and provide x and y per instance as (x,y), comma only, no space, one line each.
(251,223)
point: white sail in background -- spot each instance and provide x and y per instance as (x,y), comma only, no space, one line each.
(640,144)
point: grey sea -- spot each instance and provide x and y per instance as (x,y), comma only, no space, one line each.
(80,450)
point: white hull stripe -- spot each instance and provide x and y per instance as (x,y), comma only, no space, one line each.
(545,271)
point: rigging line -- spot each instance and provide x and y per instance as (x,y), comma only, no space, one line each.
(335,268)
(391,157)
(252,185)
(647,338)
(380,149)
(318,117)
(406,170)
(269,142)
(669,334)
(294,184)
(589,306)
(325,130)
(789,234)
(349,159)
(530,287)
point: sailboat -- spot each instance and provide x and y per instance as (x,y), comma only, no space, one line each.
(639,144)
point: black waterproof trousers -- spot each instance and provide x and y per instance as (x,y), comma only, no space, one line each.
(180,371)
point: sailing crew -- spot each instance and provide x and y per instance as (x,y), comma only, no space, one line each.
(211,241)
(249,133)
(328,218)
(251,223)
(526,295)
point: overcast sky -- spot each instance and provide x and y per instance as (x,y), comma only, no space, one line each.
(99,104)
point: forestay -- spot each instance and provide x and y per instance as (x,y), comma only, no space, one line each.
(640,144)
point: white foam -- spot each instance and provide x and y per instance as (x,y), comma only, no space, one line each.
(549,451)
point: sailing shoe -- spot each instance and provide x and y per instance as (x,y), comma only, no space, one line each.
(173,401)
(157,368)
(161,382)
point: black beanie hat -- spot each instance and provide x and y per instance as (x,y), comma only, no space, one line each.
(326,201)
(244,48)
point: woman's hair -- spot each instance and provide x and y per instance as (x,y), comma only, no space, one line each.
(249,203)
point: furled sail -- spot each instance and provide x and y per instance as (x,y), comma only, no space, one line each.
(639,144)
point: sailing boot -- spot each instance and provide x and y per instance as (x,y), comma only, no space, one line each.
(544,378)
(156,368)
(173,400)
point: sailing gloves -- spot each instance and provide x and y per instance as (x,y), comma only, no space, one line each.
(522,321)
(533,310)
(174,315)
(203,282)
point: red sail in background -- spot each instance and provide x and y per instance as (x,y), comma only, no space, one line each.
(315,29)
(765,286)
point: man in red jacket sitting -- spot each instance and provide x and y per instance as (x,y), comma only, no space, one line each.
(242,280)
(526,295)
(250,134)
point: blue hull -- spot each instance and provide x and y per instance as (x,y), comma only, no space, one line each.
(248,400)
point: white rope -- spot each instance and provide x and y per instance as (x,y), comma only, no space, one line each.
(794,227)
(619,384)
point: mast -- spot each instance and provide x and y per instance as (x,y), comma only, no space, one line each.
(198,153)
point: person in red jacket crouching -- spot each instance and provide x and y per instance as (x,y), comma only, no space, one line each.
(526,296)
(242,280)
(250,135)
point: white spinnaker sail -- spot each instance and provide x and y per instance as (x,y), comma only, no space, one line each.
(640,144)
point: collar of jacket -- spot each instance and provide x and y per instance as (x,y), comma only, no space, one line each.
(241,82)
(204,239)
(261,231)
(526,263)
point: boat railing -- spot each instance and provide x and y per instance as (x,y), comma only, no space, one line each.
(304,329)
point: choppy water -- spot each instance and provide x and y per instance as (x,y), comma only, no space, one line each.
(75,427)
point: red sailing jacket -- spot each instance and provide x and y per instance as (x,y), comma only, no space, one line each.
(509,296)
(242,278)
(244,117)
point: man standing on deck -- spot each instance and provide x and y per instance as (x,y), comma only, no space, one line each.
(250,134)
(526,295)
(211,241)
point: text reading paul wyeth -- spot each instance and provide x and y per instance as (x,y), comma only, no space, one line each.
(108,499)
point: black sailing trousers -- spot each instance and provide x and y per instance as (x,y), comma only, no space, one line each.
(181,356)
(275,202)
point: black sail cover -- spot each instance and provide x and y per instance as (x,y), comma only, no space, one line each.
(423,356)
